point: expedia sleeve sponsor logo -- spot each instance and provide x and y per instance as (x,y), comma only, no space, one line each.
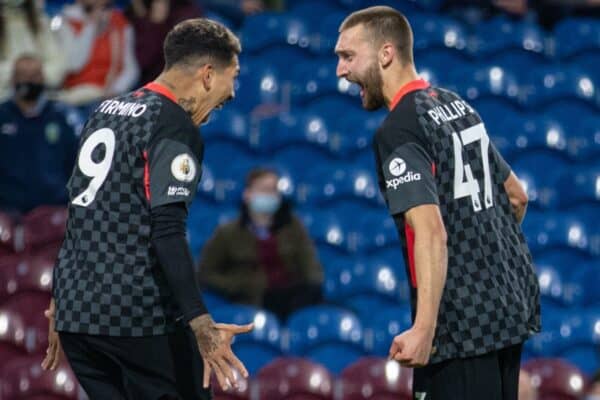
(397,169)
(407,178)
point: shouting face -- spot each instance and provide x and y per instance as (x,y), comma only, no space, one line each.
(357,62)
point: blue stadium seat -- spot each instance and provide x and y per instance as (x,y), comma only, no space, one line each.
(326,33)
(263,30)
(329,335)
(556,231)
(583,340)
(551,283)
(535,166)
(354,133)
(356,185)
(379,230)
(435,74)
(579,186)
(311,80)
(203,219)
(549,84)
(575,36)
(486,81)
(583,138)
(258,347)
(538,134)
(435,32)
(386,324)
(362,287)
(229,123)
(587,279)
(258,88)
(315,13)
(328,229)
(511,43)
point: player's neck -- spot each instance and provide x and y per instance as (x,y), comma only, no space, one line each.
(180,85)
(396,80)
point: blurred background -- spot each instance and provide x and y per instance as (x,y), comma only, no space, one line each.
(288,228)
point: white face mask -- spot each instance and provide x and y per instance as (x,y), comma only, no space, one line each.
(592,397)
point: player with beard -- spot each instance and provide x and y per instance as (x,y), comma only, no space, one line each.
(458,208)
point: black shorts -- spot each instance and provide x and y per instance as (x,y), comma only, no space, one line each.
(162,367)
(492,376)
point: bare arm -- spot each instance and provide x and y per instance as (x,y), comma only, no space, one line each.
(414,346)
(431,262)
(516,194)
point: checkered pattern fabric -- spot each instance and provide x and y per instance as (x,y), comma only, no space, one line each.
(106,281)
(491,296)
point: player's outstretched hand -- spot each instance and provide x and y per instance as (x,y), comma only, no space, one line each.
(214,343)
(412,348)
(53,353)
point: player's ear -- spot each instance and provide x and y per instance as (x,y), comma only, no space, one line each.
(207,73)
(386,54)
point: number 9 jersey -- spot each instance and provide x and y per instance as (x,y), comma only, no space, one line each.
(137,152)
(433,148)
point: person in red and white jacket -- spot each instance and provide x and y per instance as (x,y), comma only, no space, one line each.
(100,52)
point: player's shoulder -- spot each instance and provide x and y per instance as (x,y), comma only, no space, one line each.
(401,125)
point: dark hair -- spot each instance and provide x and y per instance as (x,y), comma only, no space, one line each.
(257,173)
(384,24)
(200,40)
(33,21)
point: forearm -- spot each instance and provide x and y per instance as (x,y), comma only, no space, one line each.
(431,263)
(170,245)
(519,209)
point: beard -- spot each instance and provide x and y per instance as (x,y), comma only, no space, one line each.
(372,85)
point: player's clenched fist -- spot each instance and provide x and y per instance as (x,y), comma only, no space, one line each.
(214,343)
(413,347)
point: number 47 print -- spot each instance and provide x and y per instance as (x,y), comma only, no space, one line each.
(470,187)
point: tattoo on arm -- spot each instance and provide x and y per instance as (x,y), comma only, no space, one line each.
(207,334)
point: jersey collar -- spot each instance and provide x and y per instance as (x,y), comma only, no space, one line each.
(411,86)
(161,89)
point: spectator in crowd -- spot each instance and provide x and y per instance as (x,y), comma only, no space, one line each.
(100,50)
(152,20)
(594,388)
(265,257)
(24,28)
(38,142)
(527,390)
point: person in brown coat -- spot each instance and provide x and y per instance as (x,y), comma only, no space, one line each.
(265,257)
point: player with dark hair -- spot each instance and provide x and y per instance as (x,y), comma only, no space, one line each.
(125,302)
(458,207)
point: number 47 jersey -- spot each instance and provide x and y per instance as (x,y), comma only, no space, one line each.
(433,148)
(137,152)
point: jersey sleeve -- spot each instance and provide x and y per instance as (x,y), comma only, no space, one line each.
(173,173)
(503,167)
(407,171)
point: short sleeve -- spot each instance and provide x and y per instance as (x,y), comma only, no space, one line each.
(173,173)
(503,167)
(408,177)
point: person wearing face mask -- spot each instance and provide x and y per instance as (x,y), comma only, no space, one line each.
(38,142)
(24,28)
(265,257)
(99,44)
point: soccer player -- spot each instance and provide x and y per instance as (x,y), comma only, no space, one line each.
(457,207)
(125,301)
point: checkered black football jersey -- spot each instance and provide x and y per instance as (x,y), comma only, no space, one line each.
(433,149)
(137,151)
